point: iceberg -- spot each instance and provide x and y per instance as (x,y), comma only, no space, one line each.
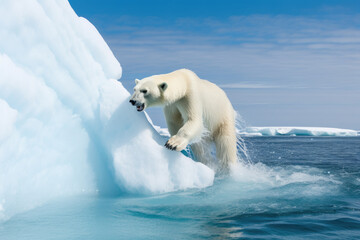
(66,127)
(298,131)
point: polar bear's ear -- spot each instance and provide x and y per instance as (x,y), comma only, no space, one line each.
(137,81)
(163,86)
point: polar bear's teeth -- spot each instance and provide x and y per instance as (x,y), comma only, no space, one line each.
(140,108)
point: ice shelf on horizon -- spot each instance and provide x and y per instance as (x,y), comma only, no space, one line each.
(298,131)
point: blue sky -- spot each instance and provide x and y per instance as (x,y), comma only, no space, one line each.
(282,63)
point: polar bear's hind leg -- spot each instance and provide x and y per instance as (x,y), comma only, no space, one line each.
(225,142)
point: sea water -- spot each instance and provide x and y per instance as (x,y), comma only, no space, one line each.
(294,188)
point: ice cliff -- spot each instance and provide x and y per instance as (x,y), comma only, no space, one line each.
(66,127)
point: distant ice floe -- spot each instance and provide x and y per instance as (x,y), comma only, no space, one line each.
(284,131)
(298,131)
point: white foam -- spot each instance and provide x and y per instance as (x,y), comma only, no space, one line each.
(261,176)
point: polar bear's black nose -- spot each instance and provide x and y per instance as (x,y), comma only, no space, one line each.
(132,102)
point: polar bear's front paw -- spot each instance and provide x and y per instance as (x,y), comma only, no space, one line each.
(176,143)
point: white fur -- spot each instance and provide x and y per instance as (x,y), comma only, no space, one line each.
(192,106)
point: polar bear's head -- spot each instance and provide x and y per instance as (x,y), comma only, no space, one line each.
(147,92)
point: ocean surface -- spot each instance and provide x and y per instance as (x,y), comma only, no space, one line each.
(294,188)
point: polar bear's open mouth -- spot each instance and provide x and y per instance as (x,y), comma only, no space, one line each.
(140,108)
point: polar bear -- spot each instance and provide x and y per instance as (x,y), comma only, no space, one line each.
(196,111)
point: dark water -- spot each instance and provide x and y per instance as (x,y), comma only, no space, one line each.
(296,188)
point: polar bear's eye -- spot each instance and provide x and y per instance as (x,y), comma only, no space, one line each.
(143,91)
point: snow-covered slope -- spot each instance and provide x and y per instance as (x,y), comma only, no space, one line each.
(66,126)
(297,131)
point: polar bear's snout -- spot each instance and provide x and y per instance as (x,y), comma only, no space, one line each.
(139,105)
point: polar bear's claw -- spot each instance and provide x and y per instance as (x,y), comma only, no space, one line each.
(176,143)
(169,146)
